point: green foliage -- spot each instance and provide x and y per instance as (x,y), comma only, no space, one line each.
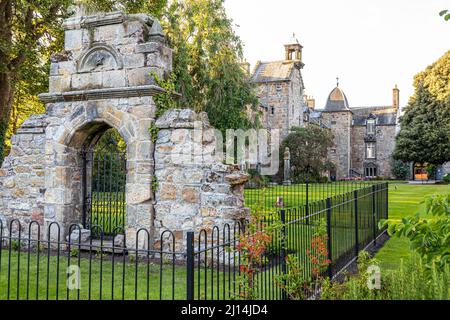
(411,281)
(293,281)
(153,130)
(207,57)
(400,169)
(446,178)
(308,147)
(74,252)
(154,184)
(166,100)
(424,130)
(30,32)
(426,122)
(206,65)
(257,180)
(430,236)
(445,14)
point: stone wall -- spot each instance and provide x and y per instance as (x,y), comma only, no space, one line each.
(339,153)
(195,190)
(22,176)
(286,99)
(385,144)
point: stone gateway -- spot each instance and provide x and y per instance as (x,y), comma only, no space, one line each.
(102,80)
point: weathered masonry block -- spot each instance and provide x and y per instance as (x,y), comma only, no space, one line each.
(104,79)
(196,190)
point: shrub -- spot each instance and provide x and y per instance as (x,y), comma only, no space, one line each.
(412,281)
(428,237)
(446,178)
(400,169)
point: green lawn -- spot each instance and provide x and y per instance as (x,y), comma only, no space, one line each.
(45,278)
(265,199)
(404,200)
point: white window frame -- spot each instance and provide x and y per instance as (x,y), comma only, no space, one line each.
(371,126)
(371,146)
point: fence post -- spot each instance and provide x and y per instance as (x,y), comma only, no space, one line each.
(387,200)
(330,269)
(355,196)
(283,251)
(190,265)
(307,200)
(374,230)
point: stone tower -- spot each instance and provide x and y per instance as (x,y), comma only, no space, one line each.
(338,116)
(280,89)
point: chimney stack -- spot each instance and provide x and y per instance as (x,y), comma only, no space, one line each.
(310,102)
(396,98)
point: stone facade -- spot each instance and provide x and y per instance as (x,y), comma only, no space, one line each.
(279,87)
(364,137)
(104,79)
(340,153)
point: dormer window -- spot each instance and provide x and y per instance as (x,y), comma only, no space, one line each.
(370,126)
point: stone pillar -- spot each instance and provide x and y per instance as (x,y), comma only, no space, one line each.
(287,167)
(195,190)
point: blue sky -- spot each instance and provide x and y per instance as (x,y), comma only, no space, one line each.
(370,45)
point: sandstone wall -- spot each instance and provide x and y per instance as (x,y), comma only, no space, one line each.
(22,176)
(195,190)
(385,144)
(340,153)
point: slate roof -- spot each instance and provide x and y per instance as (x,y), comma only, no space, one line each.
(337,101)
(273,71)
(385,115)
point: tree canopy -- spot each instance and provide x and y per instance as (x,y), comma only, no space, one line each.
(424,136)
(207,56)
(308,147)
(29,32)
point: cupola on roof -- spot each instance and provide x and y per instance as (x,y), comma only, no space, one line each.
(337,100)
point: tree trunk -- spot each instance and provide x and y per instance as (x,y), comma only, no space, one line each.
(6,99)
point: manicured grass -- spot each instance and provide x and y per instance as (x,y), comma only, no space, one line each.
(265,199)
(404,200)
(45,278)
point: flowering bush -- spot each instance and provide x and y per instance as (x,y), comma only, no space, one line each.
(252,247)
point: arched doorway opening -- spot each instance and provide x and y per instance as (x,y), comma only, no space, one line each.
(104,181)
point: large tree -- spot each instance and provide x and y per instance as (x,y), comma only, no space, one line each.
(207,56)
(29,31)
(308,147)
(424,136)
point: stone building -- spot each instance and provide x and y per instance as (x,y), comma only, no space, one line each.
(364,137)
(280,89)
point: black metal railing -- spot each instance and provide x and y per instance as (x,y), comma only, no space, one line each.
(269,197)
(38,263)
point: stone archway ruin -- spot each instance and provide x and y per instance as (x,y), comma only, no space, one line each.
(103,80)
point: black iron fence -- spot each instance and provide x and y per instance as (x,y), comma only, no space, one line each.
(40,264)
(271,196)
